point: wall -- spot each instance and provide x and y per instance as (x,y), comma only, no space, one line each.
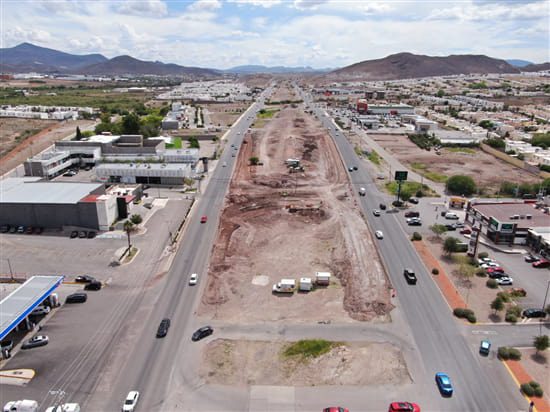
(513,161)
(53,216)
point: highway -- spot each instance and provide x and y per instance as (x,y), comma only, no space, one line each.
(442,346)
(152,360)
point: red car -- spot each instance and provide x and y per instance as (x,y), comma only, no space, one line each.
(336,409)
(496,269)
(466,231)
(404,407)
(204,219)
(543,263)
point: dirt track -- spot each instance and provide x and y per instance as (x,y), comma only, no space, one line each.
(279,225)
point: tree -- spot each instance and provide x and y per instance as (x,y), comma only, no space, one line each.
(253,160)
(136,219)
(130,124)
(438,230)
(451,245)
(497,305)
(128,227)
(78,133)
(461,185)
(440,93)
(541,343)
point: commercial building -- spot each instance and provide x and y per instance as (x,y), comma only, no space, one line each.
(363,107)
(29,201)
(172,174)
(508,223)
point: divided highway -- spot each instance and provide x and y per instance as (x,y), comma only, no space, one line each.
(437,334)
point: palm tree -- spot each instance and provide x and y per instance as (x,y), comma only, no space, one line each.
(128,227)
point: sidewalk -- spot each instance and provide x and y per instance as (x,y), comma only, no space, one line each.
(453,298)
(521,376)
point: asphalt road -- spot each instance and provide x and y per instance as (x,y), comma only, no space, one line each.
(442,346)
(152,361)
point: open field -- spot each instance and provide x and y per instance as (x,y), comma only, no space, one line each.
(13,131)
(225,114)
(278,225)
(283,93)
(223,362)
(487,171)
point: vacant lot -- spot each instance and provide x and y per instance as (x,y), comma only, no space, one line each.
(283,93)
(278,225)
(224,362)
(13,131)
(225,114)
(487,171)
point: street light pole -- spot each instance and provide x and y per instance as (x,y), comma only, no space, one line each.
(544,305)
(11,272)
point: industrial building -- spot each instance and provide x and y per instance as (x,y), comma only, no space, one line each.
(508,223)
(172,174)
(363,107)
(30,201)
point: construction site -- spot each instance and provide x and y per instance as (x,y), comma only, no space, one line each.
(286,220)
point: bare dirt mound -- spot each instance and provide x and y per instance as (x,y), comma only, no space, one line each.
(276,224)
(226,362)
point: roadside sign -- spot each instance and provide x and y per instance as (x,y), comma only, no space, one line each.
(401,175)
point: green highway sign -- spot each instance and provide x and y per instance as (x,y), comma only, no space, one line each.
(401,175)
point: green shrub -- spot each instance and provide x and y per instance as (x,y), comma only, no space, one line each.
(539,392)
(514,310)
(504,296)
(471,318)
(309,348)
(504,353)
(482,255)
(435,271)
(482,273)
(459,312)
(416,236)
(514,354)
(465,313)
(511,318)
(491,283)
(527,389)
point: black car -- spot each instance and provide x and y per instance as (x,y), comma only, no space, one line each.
(202,333)
(450,226)
(163,328)
(91,234)
(382,206)
(74,234)
(4,228)
(13,229)
(414,200)
(415,223)
(410,276)
(534,313)
(354,167)
(529,258)
(84,279)
(78,297)
(412,213)
(94,285)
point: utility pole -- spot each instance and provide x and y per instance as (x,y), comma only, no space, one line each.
(544,305)
(11,272)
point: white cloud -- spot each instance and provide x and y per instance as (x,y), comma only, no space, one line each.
(155,8)
(205,5)
(308,4)
(18,34)
(492,12)
(262,3)
(376,7)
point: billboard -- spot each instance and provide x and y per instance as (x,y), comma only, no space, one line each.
(401,175)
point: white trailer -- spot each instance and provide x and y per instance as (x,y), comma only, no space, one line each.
(322,278)
(285,286)
(306,284)
(66,407)
(24,405)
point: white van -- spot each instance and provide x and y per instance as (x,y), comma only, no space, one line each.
(451,216)
(66,407)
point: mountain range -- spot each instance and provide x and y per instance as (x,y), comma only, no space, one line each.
(518,62)
(27,57)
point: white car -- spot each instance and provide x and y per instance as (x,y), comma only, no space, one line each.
(505,280)
(488,265)
(379,234)
(131,401)
(40,310)
(193,279)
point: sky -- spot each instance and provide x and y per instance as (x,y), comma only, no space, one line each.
(316,33)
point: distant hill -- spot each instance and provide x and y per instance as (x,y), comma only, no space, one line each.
(257,69)
(518,63)
(123,65)
(536,67)
(28,57)
(408,66)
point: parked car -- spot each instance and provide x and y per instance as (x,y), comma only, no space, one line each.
(451,226)
(410,276)
(21,229)
(193,279)
(202,333)
(459,224)
(82,235)
(74,234)
(4,228)
(485,347)
(163,328)
(542,263)
(444,384)
(403,407)
(534,313)
(529,258)
(414,222)
(488,265)
(451,216)
(91,234)
(412,213)
(35,342)
(13,229)
(29,230)
(84,279)
(466,231)
(40,311)
(414,200)
(204,219)
(131,401)
(335,409)
(505,280)
(38,230)
(379,234)
(78,297)
(93,285)
(376,212)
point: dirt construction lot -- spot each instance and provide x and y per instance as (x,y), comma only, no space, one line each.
(225,114)
(487,171)
(13,130)
(282,93)
(225,361)
(278,225)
